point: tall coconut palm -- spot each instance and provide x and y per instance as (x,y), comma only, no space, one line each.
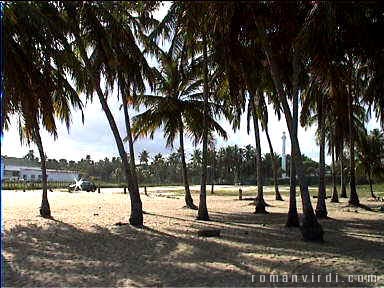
(176,110)
(356,117)
(100,30)
(264,125)
(203,211)
(318,97)
(343,188)
(192,19)
(293,216)
(310,228)
(260,29)
(321,208)
(36,89)
(335,195)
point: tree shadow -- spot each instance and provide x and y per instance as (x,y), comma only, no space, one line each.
(59,254)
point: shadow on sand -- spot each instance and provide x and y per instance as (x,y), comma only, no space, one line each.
(60,254)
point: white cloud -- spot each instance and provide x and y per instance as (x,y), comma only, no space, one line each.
(95,138)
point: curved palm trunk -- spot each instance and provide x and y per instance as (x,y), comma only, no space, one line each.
(136,217)
(343,193)
(293,216)
(275,167)
(310,227)
(45,210)
(321,208)
(203,211)
(130,141)
(370,185)
(353,197)
(188,196)
(335,196)
(259,201)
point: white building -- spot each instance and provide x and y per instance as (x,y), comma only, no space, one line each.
(17,169)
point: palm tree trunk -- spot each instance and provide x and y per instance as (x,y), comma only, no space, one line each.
(213,170)
(343,193)
(353,197)
(293,216)
(136,217)
(130,140)
(275,167)
(321,208)
(370,185)
(335,196)
(45,210)
(259,201)
(310,227)
(188,196)
(203,211)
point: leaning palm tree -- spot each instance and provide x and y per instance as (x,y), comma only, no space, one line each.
(101,31)
(36,89)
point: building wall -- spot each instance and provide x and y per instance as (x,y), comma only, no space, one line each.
(30,174)
(64,176)
(34,174)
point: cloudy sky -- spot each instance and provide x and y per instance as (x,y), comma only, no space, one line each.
(95,138)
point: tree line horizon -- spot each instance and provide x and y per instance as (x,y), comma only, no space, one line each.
(225,59)
(228,165)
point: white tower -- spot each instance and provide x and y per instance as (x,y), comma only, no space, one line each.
(284,158)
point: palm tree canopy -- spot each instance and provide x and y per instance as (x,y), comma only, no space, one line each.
(37,66)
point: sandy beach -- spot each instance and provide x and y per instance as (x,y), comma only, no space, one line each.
(82,246)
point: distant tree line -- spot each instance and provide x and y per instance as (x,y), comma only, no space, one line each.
(228,165)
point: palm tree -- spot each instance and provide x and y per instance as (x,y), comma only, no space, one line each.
(254,36)
(101,32)
(370,154)
(343,188)
(357,116)
(293,216)
(144,157)
(35,80)
(321,208)
(176,111)
(310,228)
(275,158)
(318,98)
(259,201)
(203,211)
(335,195)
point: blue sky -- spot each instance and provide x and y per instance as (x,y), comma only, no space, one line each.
(95,138)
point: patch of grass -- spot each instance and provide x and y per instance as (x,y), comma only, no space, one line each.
(250,191)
